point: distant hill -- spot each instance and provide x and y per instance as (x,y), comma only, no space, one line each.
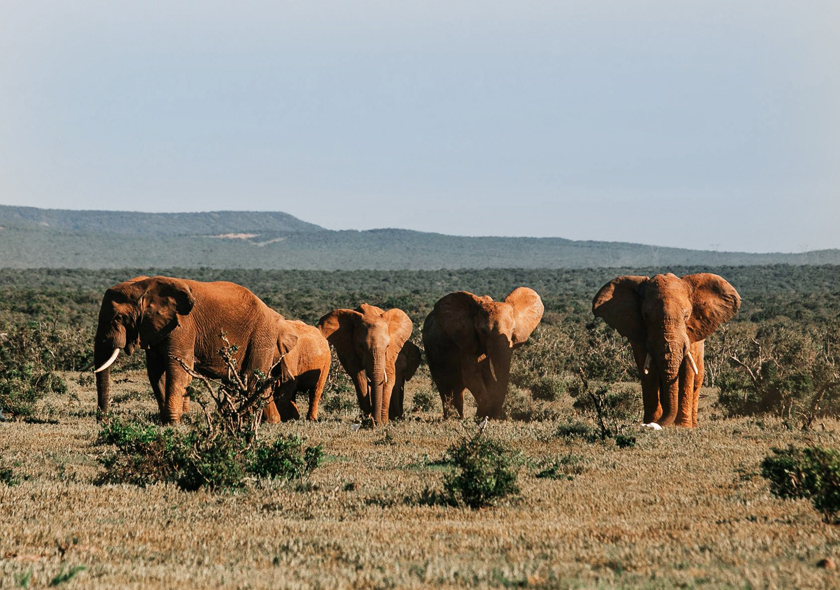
(38,238)
(156,224)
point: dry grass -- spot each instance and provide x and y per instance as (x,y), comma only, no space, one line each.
(682,509)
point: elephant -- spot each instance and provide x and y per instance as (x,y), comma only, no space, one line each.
(304,368)
(667,319)
(172,319)
(469,342)
(368,342)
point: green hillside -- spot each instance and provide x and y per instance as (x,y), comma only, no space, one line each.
(74,239)
(157,224)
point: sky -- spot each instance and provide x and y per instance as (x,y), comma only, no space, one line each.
(704,124)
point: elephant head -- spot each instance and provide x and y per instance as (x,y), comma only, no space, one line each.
(663,316)
(140,312)
(486,333)
(369,340)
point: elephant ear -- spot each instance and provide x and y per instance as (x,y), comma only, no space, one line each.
(287,337)
(163,300)
(338,327)
(619,303)
(399,328)
(714,302)
(527,312)
(411,353)
(455,315)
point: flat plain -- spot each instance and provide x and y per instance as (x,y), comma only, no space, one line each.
(680,509)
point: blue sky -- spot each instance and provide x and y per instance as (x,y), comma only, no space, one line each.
(701,124)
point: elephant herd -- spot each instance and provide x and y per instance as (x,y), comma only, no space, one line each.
(468,341)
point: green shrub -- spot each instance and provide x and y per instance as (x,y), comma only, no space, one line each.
(577,430)
(8,477)
(27,369)
(519,405)
(619,403)
(809,472)
(780,368)
(340,398)
(485,471)
(146,454)
(285,458)
(549,387)
(424,400)
(565,467)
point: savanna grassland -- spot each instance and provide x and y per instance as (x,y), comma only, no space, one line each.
(671,509)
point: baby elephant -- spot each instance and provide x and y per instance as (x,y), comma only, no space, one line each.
(303,369)
(369,343)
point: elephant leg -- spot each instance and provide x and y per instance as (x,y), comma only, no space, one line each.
(685,407)
(316,393)
(472,378)
(650,385)
(362,393)
(177,380)
(395,409)
(156,370)
(698,351)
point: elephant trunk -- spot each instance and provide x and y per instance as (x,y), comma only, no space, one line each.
(378,384)
(497,378)
(672,359)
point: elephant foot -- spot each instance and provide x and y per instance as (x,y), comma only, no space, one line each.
(652,426)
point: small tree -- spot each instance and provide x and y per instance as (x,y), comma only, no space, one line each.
(484,471)
(238,401)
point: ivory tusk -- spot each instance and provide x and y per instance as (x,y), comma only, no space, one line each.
(87,366)
(109,362)
(691,360)
(647,364)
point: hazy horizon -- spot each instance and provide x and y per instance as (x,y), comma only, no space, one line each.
(703,125)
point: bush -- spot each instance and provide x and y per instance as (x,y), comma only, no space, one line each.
(339,394)
(519,405)
(780,368)
(549,388)
(423,401)
(810,472)
(565,467)
(577,430)
(27,370)
(485,472)
(8,477)
(146,454)
(619,403)
(285,458)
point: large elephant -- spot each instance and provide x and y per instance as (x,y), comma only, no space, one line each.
(171,317)
(303,369)
(368,341)
(667,319)
(469,342)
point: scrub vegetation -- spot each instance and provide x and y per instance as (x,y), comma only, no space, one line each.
(567,492)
